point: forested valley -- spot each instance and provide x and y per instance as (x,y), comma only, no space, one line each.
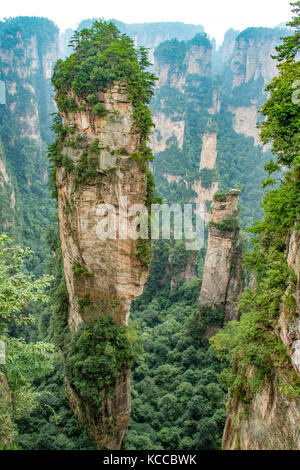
(156,112)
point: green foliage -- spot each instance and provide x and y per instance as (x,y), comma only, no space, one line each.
(51,425)
(176,400)
(171,52)
(95,358)
(226,225)
(200,39)
(99,109)
(85,171)
(281,126)
(211,316)
(17,288)
(220,197)
(261,34)
(23,362)
(170,101)
(240,164)
(290,47)
(102,55)
(250,346)
(80,270)
(207,177)
(143,251)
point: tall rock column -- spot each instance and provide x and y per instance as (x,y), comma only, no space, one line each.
(222,276)
(101,166)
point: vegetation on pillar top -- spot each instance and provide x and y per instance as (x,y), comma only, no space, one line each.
(102,56)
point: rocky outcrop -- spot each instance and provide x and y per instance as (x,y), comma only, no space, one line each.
(252,55)
(209,151)
(111,273)
(221,57)
(26,70)
(222,275)
(7,426)
(148,35)
(252,68)
(271,420)
(245,121)
(196,60)
(289,328)
(165,129)
(184,273)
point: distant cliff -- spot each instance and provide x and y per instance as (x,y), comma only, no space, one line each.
(28,51)
(148,35)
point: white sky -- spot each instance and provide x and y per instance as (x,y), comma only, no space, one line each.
(215,15)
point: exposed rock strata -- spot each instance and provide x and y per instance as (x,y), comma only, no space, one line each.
(272,420)
(165,129)
(222,276)
(115,275)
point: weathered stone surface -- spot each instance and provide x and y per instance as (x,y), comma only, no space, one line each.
(209,151)
(198,61)
(185,274)
(105,434)
(272,420)
(269,422)
(222,281)
(7,426)
(252,59)
(116,275)
(245,120)
(167,128)
(205,195)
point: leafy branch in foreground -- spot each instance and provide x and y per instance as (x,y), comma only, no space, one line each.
(17,288)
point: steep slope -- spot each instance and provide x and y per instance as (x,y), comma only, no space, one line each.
(28,50)
(271,419)
(101,158)
(205,125)
(222,281)
(262,349)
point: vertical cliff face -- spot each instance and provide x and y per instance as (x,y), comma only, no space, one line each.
(115,273)
(222,276)
(271,420)
(28,51)
(184,107)
(101,172)
(221,57)
(7,428)
(252,55)
(174,60)
(252,68)
(102,276)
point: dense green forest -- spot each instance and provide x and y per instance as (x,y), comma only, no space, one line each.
(179,378)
